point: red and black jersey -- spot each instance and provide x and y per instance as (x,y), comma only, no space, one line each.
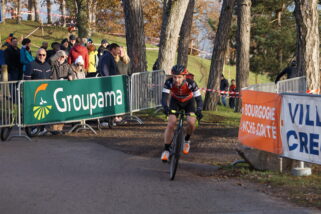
(183,93)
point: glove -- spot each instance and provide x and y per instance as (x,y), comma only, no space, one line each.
(166,110)
(199,114)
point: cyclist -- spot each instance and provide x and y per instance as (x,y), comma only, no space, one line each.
(184,92)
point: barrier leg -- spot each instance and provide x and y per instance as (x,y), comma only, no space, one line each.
(82,126)
(301,170)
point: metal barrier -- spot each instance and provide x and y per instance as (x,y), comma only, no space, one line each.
(294,85)
(265,87)
(145,92)
(8,104)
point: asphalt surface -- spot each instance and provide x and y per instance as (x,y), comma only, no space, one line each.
(71,175)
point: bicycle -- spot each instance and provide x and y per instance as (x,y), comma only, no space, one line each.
(176,145)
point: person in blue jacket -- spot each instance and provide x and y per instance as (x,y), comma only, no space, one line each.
(25,54)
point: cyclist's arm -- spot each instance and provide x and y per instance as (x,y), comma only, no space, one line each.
(165,96)
(198,96)
(199,102)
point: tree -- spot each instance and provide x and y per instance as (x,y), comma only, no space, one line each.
(173,15)
(62,4)
(218,56)
(19,4)
(185,35)
(82,19)
(306,15)
(31,9)
(49,20)
(243,46)
(35,4)
(3,7)
(135,37)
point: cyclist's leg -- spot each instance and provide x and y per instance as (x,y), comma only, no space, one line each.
(191,120)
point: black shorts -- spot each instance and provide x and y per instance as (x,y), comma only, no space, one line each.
(188,106)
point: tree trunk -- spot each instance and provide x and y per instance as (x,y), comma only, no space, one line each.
(135,37)
(19,4)
(63,12)
(243,46)
(4,8)
(82,19)
(90,16)
(31,10)
(36,10)
(218,56)
(49,20)
(185,35)
(172,22)
(306,16)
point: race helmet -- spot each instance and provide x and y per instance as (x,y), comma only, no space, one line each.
(179,70)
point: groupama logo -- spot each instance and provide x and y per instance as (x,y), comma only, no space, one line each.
(41,109)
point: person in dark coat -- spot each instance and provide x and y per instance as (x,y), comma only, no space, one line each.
(64,45)
(55,48)
(289,71)
(107,65)
(60,68)
(12,59)
(38,69)
(223,89)
(102,48)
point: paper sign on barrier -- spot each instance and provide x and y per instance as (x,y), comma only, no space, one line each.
(301,127)
(260,121)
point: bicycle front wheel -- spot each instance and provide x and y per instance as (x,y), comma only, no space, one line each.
(175,154)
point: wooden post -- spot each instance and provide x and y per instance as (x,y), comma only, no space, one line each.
(4,69)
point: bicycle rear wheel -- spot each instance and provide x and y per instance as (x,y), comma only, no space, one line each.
(175,153)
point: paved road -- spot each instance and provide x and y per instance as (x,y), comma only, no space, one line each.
(69,176)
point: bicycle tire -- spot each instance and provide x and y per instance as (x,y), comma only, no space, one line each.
(5,133)
(28,130)
(176,152)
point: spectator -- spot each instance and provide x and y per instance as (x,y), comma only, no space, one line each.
(72,41)
(78,50)
(78,68)
(107,64)
(12,59)
(90,42)
(8,40)
(39,70)
(25,54)
(64,45)
(61,70)
(93,60)
(55,48)
(232,94)
(44,45)
(84,41)
(290,72)
(223,89)
(102,48)
(123,62)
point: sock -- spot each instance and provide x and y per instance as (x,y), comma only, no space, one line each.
(166,146)
(187,137)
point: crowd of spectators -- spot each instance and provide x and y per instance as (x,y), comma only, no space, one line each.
(73,58)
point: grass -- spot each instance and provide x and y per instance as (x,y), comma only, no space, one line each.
(198,66)
(304,191)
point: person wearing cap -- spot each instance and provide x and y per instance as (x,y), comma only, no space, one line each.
(79,50)
(78,68)
(61,70)
(44,45)
(102,48)
(89,41)
(72,41)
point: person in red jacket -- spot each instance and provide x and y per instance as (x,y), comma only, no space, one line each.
(78,50)
(232,94)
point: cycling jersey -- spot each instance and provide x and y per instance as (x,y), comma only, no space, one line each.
(182,93)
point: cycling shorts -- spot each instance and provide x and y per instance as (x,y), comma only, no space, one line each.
(188,106)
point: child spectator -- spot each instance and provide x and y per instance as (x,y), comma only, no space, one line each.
(232,94)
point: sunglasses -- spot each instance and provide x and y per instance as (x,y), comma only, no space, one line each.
(41,54)
(62,57)
(78,65)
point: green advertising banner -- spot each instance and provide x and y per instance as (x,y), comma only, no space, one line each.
(61,100)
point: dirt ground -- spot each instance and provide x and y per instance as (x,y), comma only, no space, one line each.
(211,144)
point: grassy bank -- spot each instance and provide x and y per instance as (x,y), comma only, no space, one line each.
(198,66)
